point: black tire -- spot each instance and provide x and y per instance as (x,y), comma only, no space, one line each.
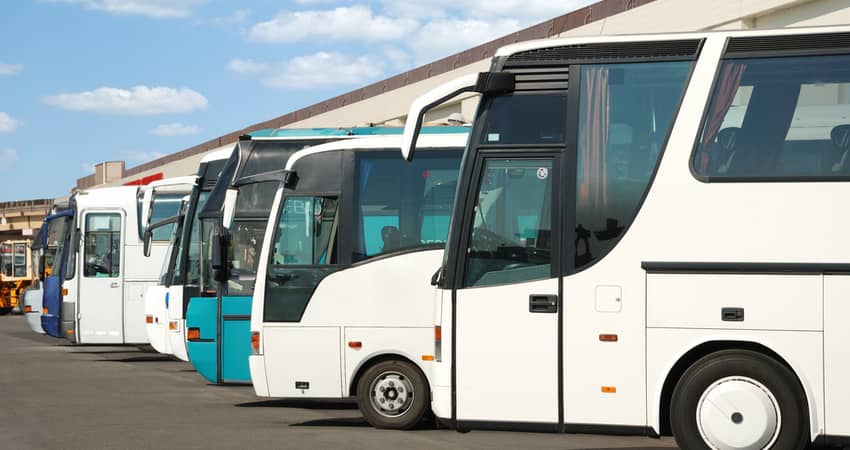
(4,311)
(777,378)
(383,372)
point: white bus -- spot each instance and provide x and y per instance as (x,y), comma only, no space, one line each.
(649,237)
(158,228)
(342,305)
(165,304)
(101,298)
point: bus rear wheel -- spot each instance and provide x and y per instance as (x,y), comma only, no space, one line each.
(393,395)
(739,399)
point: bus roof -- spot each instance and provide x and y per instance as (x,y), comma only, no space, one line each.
(295,133)
(428,140)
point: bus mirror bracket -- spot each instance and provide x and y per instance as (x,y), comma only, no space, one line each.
(229,208)
(482,83)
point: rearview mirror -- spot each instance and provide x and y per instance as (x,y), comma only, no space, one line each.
(219,256)
(146,239)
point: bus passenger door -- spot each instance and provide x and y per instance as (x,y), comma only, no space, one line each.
(100,303)
(507,297)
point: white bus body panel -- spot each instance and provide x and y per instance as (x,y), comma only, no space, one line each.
(177,337)
(33,299)
(659,318)
(155,308)
(386,305)
(112,310)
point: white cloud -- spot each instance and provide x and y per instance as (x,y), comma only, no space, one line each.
(526,11)
(238,17)
(8,156)
(462,34)
(148,8)
(246,66)
(11,69)
(323,69)
(398,59)
(175,129)
(8,124)
(140,100)
(342,23)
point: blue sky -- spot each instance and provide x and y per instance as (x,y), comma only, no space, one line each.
(85,81)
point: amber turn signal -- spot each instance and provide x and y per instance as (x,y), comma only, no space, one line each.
(356,345)
(255,342)
(193,334)
(608,337)
(28,308)
(609,390)
(148,318)
(64,291)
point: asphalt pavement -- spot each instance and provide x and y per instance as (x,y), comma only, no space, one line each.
(54,395)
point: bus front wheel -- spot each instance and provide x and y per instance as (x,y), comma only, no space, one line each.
(393,394)
(739,399)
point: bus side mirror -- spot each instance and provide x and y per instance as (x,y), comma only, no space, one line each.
(146,240)
(219,257)
(482,83)
(229,208)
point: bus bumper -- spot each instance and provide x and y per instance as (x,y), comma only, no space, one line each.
(257,366)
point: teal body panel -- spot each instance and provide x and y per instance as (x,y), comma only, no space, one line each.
(235,339)
(203,354)
(235,326)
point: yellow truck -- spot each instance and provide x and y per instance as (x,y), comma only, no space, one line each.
(16,274)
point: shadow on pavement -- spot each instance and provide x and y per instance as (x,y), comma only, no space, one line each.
(135,359)
(340,422)
(301,403)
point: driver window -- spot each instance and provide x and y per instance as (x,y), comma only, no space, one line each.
(304,253)
(511,233)
(103,246)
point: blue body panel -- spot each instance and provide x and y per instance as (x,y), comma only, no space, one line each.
(201,314)
(235,338)
(51,301)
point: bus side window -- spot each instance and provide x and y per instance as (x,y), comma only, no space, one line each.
(102,245)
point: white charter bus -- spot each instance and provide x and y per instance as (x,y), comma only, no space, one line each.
(649,237)
(101,299)
(342,303)
(157,226)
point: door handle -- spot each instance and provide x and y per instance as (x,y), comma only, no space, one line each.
(543,303)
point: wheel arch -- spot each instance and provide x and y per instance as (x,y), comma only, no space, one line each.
(373,359)
(687,358)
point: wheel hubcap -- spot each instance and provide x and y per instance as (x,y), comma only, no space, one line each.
(738,413)
(391,394)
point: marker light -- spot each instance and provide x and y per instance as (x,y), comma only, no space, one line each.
(64,291)
(608,337)
(255,342)
(438,343)
(69,332)
(193,334)
(44,310)
(356,345)
(609,389)
(427,357)
(173,325)
(28,308)
(148,318)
